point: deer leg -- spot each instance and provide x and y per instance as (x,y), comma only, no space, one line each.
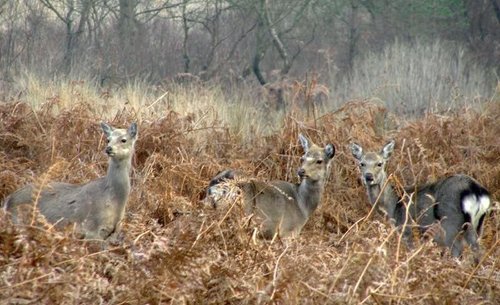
(105,231)
(408,236)
(267,229)
(471,238)
(13,214)
(90,235)
(452,238)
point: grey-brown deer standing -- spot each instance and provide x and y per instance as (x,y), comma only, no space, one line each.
(281,208)
(457,203)
(97,207)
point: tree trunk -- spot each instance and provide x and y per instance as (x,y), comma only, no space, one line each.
(73,37)
(127,28)
(353,35)
(496,8)
(260,48)
(185,47)
(278,44)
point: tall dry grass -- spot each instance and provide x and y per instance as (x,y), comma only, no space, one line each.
(238,109)
(414,78)
(176,251)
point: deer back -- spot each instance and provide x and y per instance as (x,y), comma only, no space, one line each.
(456,203)
(282,207)
(95,207)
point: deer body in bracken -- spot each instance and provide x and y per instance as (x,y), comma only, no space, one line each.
(282,208)
(97,207)
(458,203)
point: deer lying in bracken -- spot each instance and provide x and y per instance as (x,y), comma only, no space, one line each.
(282,208)
(457,203)
(96,207)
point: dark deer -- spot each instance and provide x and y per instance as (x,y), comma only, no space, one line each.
(457,203)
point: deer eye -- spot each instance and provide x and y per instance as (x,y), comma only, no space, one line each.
(379,164)
(124,140)
(108,140)
(362,164)
(319,161)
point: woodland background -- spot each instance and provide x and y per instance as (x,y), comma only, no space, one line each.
(411,54)
(229,84)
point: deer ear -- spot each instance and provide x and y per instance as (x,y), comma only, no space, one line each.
(304,142)
(106,129)
(132,130)
(388,149)
(356,150)
(330,151)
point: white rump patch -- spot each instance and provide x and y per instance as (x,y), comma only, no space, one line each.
(476,207)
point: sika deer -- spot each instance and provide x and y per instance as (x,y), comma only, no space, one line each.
(458,203)
(282,208)
(96,207)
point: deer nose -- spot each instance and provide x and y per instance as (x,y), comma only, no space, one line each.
(109,150)
(301,172)
(369,177)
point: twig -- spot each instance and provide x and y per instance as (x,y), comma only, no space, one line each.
(369,213)
(157,100)
(275,273)
(317,291)
(25,282)
(480,263)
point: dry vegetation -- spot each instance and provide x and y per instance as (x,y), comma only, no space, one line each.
(176,250)
(407,77)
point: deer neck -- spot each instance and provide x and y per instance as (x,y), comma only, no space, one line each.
(118,180)
(387,198)
(309,195)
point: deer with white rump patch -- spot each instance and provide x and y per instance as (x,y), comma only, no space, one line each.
(457,203)
(282,208)
(97,207)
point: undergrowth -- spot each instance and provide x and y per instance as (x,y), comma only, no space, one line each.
(178,251)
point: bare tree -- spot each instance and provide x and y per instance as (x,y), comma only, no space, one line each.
(210,19)
(128,25)
(9,13)
(276,21)
(185,31)
(133,17)
(353,33)
(67,11)
(272,40)
(496,8)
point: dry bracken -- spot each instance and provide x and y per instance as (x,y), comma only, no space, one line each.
(177,251)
